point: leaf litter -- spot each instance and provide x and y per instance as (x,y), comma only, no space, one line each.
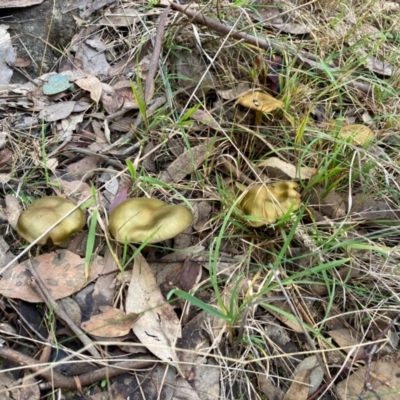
(159,103)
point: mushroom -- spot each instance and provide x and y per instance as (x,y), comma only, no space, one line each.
(148,220)
(44,213)
(266,203)
(259,102)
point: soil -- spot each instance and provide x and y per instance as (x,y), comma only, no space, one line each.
(40,34)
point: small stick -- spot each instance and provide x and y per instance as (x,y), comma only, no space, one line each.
(57,380)
(269,44)
(154,62)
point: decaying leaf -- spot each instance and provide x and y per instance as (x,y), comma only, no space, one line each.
(91,53)
(260,101)
(120,17)
(92,85)
(111,322)
(57,111)
(13,210)
(62,272)
(372,210)
(118,97)
(349,340)
(299,388)
(264,204)
(185,164)
(360,134)
(385,380)
(191,69)
(277,168)
(292,27)
(234,93)
(315,375)
(158,326)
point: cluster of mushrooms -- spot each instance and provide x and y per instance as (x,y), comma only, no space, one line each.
(147,220)
(133,221)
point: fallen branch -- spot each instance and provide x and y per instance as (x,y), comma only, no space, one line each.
(57,380)
(269,44)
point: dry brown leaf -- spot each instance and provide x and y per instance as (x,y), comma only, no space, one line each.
(57,111)
(385,379)
(292,323)
(91,53)
(185,164)
(5,254)
(277,168)
(260,101)
(118,97)
(316,375)
(346,338)
(299,388)
(234,93)
(82,168)
(111,322)
(13,210)
(120,17)
(158,327)
(206,118)
(372,210)
(77,189)
(359,133)
(292,27)
(62,273)
(92,85)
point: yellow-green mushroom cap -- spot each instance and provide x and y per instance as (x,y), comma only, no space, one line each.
(148,220)
(44,213)
(266,203)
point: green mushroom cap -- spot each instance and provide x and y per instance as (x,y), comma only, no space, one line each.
(148,220)
(44,213)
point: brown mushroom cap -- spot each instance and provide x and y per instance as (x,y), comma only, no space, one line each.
(148,220)
(266,203)
(45,212)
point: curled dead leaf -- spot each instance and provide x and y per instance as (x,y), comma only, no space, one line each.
(277,168)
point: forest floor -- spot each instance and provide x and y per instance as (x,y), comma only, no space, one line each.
(271,129)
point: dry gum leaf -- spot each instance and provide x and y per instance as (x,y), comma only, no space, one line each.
(92,85)
(158,327)
(277,168)
(111,322)
(62,273)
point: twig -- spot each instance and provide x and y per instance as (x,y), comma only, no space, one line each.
(155,58)
(59,311)
(227,30)
(270,44)
(154,62)
(57,380)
